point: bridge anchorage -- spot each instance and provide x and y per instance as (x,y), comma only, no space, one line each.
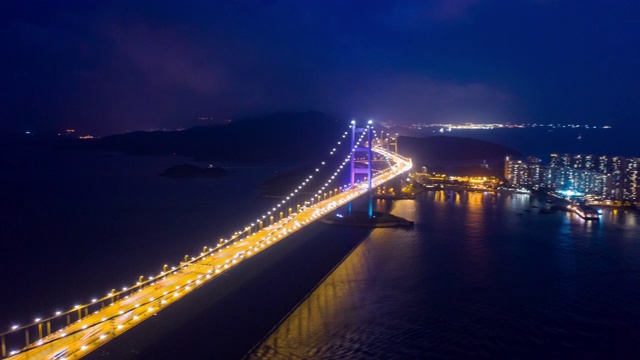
(78,330)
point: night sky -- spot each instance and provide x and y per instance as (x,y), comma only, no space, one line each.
(110,66)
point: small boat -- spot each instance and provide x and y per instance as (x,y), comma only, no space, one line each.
(584,211)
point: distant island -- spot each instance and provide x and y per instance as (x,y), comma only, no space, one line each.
(188,170)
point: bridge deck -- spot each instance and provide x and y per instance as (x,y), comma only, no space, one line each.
(93,330)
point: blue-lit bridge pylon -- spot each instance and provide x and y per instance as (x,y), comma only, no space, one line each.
(361,155)
(82,328)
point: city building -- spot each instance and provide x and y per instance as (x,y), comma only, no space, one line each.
(614,178)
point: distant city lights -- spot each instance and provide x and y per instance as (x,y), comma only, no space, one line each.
(492,126)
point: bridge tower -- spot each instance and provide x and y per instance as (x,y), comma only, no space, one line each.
(393,143)
(356,162)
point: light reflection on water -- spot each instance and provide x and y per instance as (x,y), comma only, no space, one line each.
(480,275)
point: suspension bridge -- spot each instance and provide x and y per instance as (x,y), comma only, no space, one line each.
(83,328)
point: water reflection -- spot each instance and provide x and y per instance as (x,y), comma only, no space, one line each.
(622,217)
(317,317)
(475,238)
(320,319)
(382,205)
(480,275)
(404,208)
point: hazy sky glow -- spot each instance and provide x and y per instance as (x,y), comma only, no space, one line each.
(111,66)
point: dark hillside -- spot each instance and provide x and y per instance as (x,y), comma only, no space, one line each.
(449,151)
(284,136)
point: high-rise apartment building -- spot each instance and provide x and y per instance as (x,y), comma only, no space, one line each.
(606,177)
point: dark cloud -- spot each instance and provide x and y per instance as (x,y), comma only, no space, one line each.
(416,98)
(167,58)
(112,66)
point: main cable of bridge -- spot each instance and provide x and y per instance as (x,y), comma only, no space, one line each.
(39,322)
(385,156)
(317,197)
(94,326)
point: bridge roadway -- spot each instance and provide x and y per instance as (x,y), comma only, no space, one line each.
(92,331)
